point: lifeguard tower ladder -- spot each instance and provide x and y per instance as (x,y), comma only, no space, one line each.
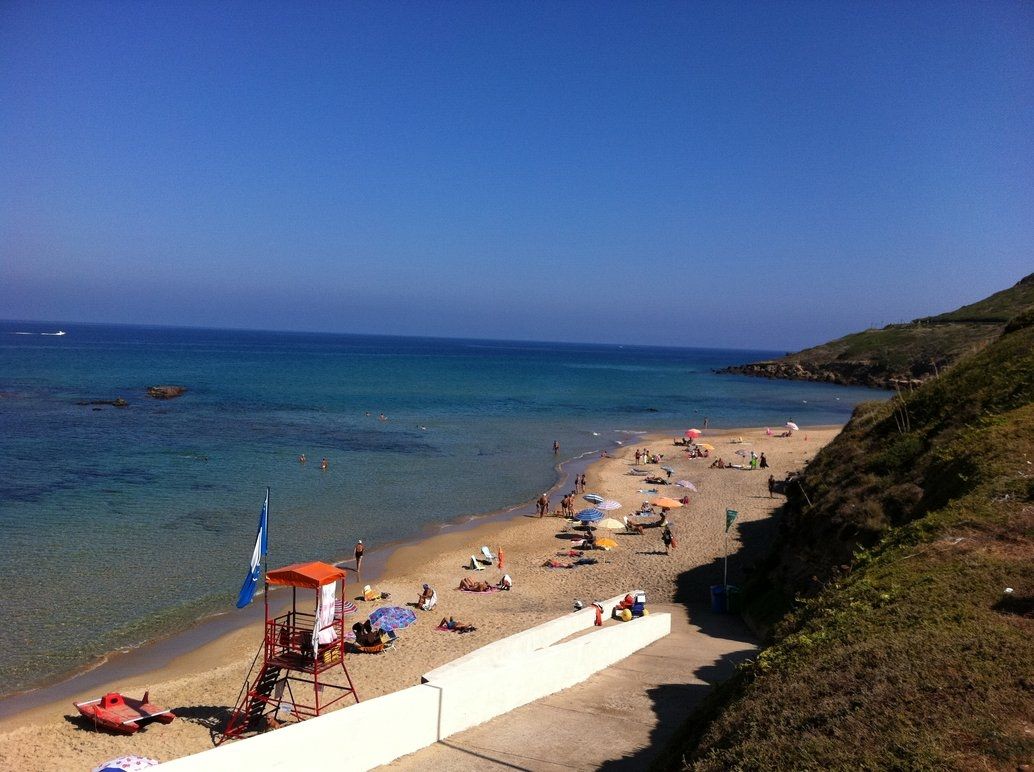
(298,648)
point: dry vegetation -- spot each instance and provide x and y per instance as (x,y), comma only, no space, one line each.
(894,641)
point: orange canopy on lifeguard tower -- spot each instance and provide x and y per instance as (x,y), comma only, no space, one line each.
(310,575)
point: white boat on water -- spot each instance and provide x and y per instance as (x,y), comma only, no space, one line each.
(59,332)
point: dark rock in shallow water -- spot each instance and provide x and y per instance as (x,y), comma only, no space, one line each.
(166,392)
(117,402)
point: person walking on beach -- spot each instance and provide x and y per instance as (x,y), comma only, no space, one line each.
(638,456)
(669,539)
(556,447)
(359,550)
(771,485)
(581,482)
(763,462)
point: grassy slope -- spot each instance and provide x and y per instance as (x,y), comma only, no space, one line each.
(902,650)
(922,347)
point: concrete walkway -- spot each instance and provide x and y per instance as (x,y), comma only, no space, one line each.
(618,719)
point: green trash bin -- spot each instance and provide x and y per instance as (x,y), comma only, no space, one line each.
(733,599)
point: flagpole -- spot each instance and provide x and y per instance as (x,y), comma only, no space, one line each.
(725,577)
(265,565)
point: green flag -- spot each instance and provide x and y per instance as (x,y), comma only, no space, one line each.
(730,515)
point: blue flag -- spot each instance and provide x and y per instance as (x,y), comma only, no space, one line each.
(261,547)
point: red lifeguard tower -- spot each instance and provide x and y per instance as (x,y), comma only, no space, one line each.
(298,650)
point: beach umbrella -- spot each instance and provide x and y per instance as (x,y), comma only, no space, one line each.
(388,618)
(127,764)
(608,505)
(693,433)
(344,608)
(611,524)
(792,426)
(590,516)
(665,503)
(668,469)
(607,544)
(686,484)
(595,499)
(705,446)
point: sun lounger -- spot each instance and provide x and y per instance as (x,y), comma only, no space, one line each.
(475,565)
(488,555)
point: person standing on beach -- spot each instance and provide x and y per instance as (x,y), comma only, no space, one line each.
(556,447)
(771,485)
(359,550)
(668,538)
(542,503)
(763,462)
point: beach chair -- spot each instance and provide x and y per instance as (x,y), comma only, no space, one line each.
(369,594)
(475,565)
(389,639)
(488,555)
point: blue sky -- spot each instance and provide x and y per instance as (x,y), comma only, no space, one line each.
(757,174)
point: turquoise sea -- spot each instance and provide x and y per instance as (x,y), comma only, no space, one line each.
(121,524)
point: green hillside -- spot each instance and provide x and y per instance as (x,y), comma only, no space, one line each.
(894,643)
(902,353)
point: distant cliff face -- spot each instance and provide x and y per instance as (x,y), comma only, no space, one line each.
(902,354)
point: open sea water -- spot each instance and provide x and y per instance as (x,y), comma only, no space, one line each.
(118,525)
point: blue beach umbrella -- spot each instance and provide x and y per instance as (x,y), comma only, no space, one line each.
(590,515)
(593,498)
(389,618)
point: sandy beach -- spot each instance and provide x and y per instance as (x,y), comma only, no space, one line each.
(203,684)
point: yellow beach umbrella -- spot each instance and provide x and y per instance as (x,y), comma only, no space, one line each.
(607,544)
(705,446)
(665,503)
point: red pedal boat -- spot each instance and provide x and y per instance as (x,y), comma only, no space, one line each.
(119,713)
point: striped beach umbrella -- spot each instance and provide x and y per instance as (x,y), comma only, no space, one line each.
(608,505)
(590,516)
(594,498)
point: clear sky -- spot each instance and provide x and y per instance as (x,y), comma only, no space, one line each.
(719,174)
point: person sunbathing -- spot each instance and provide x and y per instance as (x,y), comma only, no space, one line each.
(426,600)
(469,585)
(365,634)
(656,480)
(448,623)
(634,527)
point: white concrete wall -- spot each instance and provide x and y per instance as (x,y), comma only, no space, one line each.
(358,737)
(476,694)
(471,690)
(527,641)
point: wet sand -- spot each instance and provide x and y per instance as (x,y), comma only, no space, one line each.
(202,683)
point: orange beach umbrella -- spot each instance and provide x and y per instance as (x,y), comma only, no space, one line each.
(665,503)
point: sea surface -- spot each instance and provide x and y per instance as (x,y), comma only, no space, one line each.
(118,525)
